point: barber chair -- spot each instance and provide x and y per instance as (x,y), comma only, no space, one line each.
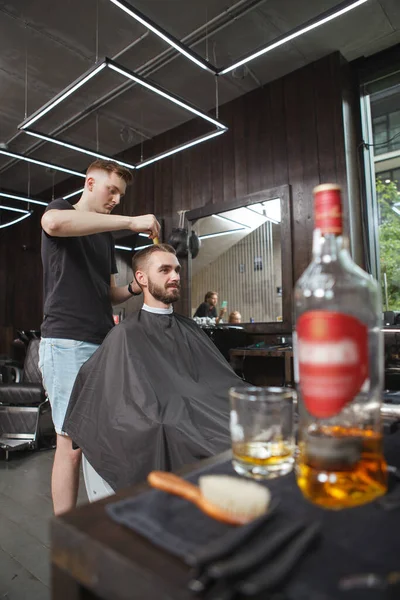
(25,412)
(10,370)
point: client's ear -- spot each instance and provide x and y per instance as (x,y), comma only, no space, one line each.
(141,278)
(89,183)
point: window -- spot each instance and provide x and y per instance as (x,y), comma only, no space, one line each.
(381,132)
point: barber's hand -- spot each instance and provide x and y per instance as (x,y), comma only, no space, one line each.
(222,312)
(146,224)
(136,287)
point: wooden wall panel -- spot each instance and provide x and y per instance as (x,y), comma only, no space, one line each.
(287,132)
(20,279)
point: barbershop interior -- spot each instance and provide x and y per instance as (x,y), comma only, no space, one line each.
(200,300)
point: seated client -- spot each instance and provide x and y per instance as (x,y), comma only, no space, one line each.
(155,394)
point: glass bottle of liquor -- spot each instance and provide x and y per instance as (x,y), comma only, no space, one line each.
(338,369)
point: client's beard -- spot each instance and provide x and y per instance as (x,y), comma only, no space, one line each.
(166,295)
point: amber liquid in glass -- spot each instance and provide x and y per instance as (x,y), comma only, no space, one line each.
(263,453)
(337,486)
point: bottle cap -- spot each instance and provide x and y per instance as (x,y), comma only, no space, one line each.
(328,208)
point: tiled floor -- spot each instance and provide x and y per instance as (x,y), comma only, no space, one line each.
(25,513)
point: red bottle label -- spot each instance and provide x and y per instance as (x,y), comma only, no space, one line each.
(332,359)
(328,211)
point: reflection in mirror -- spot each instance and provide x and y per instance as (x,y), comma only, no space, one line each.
(240,260)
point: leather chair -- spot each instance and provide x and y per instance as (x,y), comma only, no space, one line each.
(25,412)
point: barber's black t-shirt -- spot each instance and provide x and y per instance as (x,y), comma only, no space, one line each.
(76,278)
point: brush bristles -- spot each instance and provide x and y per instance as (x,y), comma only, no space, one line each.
(234,495)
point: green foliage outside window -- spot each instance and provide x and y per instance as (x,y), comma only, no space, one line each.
(389,240)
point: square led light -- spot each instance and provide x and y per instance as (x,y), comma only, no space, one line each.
(138,79)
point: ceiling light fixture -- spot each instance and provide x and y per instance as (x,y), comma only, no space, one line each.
(211,235)
(198,140)
(123,248)
(161,92)
(11,208)
(22,199)
(53,140)
(62,95)
(26,213)
(73,194)
(153,87)
(327,16)
(41,163)
(161,33)
(15,221)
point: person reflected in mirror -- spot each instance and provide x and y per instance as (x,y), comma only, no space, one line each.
(208,308)
(235,318)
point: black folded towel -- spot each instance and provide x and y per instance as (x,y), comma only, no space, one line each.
(220,554)
(175,524)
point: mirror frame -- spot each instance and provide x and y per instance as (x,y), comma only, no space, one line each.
(284,193)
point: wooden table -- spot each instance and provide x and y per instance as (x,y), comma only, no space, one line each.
(93,557)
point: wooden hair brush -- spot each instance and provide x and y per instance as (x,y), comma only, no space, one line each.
(227,499)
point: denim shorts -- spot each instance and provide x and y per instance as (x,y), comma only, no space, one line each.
(59,363)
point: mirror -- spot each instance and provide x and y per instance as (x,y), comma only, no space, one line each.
(245,257)
(240,258)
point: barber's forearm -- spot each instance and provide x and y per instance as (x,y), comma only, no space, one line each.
(121,294)
(70,223)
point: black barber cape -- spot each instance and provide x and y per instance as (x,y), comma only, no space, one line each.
(153,396)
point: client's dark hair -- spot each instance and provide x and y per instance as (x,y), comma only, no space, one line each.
(209,294)
(142,256)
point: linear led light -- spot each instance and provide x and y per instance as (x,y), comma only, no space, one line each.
(62,96)
(263,216)
(20,210)
(339,10)
(25,214)
(22,199)
(198,140)
(161,33)
(211,235)
(41,163)
(232,221)
(15,221)
(123,248)
(142,247)
(48,138)
(158,90)
(73,194)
